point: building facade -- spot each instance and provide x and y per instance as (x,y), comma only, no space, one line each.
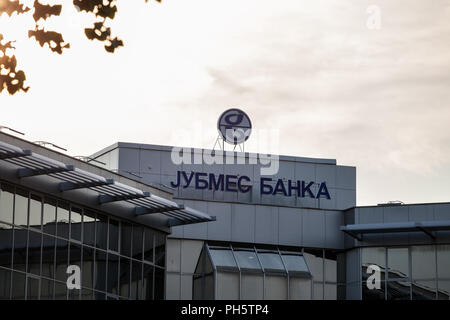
(296,234)
(143,221)
(58,213)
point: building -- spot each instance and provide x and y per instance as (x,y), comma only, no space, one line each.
(215,231)
(57,211)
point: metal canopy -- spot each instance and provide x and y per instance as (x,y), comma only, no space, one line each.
(32,164)
(428,227)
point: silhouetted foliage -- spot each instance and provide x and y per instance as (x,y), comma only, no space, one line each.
(13,80)
(10,78)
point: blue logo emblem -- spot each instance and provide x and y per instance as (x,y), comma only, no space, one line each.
(234,126)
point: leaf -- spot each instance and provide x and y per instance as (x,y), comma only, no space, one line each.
(10,79)
(115,43)
(99,32)
(54,39)
(42,11)
(12,6)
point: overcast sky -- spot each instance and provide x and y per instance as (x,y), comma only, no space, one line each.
(375,99)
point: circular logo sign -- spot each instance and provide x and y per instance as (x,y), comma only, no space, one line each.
(234,126)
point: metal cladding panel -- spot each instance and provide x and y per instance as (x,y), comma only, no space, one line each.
(222,229)
(199,231)
(395,214)
(266,225)
(129,160)
(148,161)
(441,211)
(369,215)
(421,213)
(254,217)
(314,229)
(290,226)
(333,221)
(243,223)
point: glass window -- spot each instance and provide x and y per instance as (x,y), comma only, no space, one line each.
(373,291)
(137,242)
(247,259)
(148,282)
(5,284)
(62,219)
(32,288)
(443,289)
(35,216)
(443,261)
(424,290)
(136,280)
(159,284)
(375,256)
(60,291)
(100,270)
(48,257)
(87,272)
(113,235)
(75,223)
(113,273)
(61,261)
(20,249)
(49,216)
(34,252)
(398,263)
(101,231)
(18,286)
(295,263)
(223,258)
(160,249)
(86,294)
(99,295)
(423,260)
(271,261)
(73,294)
(75,254)
(398,290)
(47,289)
(6,203)
(125,239)
(148,245)
(125,274)
(6,243)
(21,207)
(89,227)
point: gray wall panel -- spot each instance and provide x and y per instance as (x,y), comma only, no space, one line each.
(149,162)
(442,211)
(129,159)
(313,228)
(266,225)
(243,223)
(221,228)
(290,226)
(346,177)
(334,238)
(198,230)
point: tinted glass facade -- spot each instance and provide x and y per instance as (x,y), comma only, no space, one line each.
(408,273)
(253,272)
(41,236)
